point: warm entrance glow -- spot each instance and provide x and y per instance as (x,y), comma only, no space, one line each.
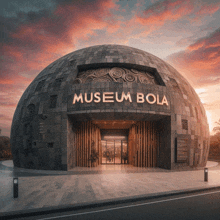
(114,151)
(114,137)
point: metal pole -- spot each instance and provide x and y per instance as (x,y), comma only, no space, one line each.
(206,174)
(15,187)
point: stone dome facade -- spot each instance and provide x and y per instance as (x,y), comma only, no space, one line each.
(60,119)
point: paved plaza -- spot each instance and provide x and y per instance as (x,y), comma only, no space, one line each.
(46,189)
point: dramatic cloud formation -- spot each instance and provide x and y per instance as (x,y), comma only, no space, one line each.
(36,39)
(173,10)
(33,40)
(201,61)
(35,33)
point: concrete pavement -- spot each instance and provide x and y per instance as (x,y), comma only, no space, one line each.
(47,189)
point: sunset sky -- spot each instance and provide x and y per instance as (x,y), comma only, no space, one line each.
(34,33)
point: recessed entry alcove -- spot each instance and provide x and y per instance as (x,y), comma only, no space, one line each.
(138,143)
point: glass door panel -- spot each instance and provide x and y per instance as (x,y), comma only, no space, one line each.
(124,152)
(110,152)
(104,148)
(114,151)
(117,151)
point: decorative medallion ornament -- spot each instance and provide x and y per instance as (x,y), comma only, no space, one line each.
(115,74)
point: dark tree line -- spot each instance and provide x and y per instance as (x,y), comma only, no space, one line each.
(5,150)
(214,151)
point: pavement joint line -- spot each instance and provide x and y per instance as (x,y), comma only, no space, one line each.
(101,203)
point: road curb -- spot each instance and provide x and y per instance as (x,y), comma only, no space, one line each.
(101,203)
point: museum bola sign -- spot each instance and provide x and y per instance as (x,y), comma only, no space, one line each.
(109,97)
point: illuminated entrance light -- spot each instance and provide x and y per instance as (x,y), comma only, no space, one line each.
(114,137)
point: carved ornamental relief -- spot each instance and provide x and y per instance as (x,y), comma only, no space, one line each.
(115,74)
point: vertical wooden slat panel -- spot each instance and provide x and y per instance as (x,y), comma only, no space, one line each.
(151,146)
(92,137)
(144,142)
(78,141)
(137,139)
(138,153)
(148,146)
(76,152)
(88,155)
(133,146)
(152,130)
(143,157)
(77,146)
(155,152)
(155,146)
(83,143)
(143,145)
(86,145)
(87,142)
(139,150)
(130,143)
(80,146)
(136,146)
(100,147)
(150,151)
(149,143)
(139,144)
(97,141)
(90,140)
(140,164)
(85,135)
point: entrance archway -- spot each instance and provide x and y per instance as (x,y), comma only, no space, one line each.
(138,143)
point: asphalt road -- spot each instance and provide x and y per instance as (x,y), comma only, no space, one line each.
(203,205)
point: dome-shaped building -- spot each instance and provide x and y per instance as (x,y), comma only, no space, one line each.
(109,104)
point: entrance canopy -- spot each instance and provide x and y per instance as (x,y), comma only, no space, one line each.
(113,120)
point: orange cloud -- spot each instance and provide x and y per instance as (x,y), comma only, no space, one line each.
(211,42)
(172,10)
(196,46)
(201,60)
(165,11)
(208,9)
